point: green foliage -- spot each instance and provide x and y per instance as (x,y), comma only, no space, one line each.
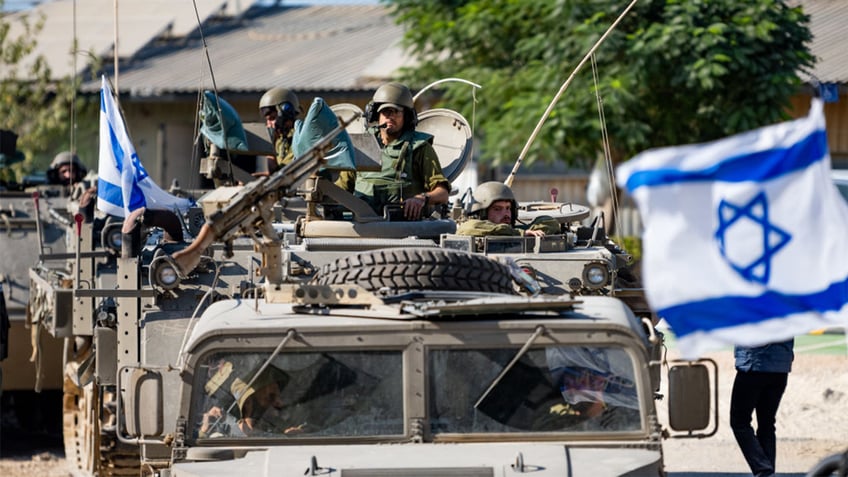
(632,244)
(672,72)
(35,106)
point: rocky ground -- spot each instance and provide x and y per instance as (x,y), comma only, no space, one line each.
(812,424)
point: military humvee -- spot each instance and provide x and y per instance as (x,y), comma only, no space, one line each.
(389,354)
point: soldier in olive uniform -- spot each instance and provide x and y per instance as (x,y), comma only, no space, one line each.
(411,173)
(280,108)
(494,211)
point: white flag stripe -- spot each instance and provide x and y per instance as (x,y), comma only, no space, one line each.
(123,184)
(743,240)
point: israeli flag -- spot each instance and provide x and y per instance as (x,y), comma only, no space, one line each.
(123,185)
(744,239)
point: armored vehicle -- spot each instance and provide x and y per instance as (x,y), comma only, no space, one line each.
(355,346)
(33,222)
(34,360)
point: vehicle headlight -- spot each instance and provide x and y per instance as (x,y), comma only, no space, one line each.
(112,238)
(164,275)
(595,275)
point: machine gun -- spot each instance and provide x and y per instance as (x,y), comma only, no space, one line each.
(250,210)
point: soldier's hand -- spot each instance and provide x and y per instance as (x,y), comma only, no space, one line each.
(414,207)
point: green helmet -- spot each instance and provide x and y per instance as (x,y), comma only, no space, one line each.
(276,97)
(394,93)
(488,193)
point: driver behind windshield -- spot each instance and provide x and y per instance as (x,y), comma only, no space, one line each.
(259,406)
(596,390)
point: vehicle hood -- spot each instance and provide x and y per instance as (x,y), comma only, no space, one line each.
(429,460)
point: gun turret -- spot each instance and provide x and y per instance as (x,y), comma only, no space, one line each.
(250,209)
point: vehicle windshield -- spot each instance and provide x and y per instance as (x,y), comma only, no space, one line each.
(550,389)
(312,394)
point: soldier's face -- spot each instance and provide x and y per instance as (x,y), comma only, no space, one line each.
(392,119)
(65,172)
(500,212)
(270,115)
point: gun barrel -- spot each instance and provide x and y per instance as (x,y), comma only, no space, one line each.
(242,210)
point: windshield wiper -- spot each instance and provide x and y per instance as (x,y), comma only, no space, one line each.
(539,330)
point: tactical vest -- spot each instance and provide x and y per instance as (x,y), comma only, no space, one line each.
(395,181)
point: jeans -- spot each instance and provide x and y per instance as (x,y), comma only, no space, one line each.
(760,392)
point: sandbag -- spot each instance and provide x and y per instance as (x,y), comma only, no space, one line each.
(232,135)
(320,120)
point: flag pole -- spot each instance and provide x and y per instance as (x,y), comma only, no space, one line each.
(115,46)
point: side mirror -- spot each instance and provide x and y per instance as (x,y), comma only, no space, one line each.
(143,411)
(691,395)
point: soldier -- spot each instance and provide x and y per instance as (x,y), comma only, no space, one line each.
(411,173)
(66,169)
(258,403)
(494,211)
(596,390)
(280,108)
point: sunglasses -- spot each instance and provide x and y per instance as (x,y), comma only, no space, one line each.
(287,109)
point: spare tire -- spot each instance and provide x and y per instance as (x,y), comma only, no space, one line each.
(409,269)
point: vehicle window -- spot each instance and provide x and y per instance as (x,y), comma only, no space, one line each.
(326,394)
(552,389)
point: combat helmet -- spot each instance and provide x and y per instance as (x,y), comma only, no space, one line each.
(487,194)
(392,95)
(62,159)
(284,100)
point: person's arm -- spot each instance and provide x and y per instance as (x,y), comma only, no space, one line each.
(434,179)
(210,417)
(483,228)
(437,185)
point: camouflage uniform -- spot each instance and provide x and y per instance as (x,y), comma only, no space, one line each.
(283,148)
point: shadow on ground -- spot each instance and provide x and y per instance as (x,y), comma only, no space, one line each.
(30,420)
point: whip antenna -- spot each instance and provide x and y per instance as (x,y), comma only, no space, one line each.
(562,89)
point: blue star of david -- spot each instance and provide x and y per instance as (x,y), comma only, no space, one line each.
(752,265)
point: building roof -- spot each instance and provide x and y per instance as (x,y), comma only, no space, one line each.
(93,22)
(827,23)
(306,48)
(161,48)
(255,45)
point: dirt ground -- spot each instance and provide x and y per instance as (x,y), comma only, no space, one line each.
(811,424)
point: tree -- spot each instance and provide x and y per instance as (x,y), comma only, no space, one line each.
(672,72)
(35,106)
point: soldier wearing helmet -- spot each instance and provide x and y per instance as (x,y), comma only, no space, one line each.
(280,108)
(66,169)
(494,211)
(411,173)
